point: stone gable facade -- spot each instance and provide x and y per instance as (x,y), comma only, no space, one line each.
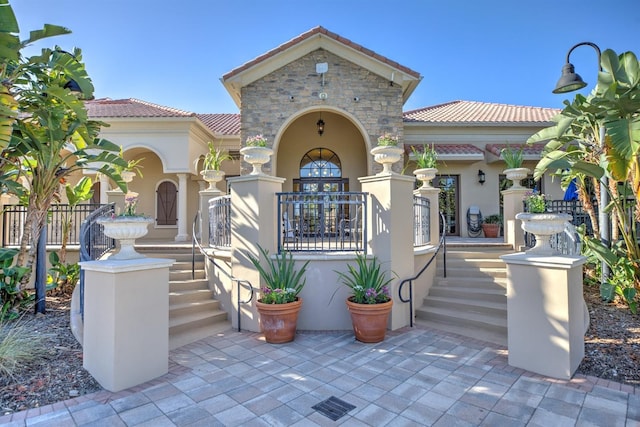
(369,98)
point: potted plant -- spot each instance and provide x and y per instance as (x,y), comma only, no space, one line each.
(491,225)
(256,153)
(279,303)
(387,152)
(426,162)
(514,171)
(540,223)
(370,302)
(126,228)
(211,165)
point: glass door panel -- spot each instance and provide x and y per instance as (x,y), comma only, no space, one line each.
(448,199)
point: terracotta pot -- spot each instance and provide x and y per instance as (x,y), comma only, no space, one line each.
(278,321)
(369,320)
(491,230)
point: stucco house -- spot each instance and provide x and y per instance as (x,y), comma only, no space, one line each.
(282,94)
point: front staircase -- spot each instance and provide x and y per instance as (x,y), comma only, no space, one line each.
(471,300)
(193,312)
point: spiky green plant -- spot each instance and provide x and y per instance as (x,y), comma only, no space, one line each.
(283,282)
(18,345)
(368,284)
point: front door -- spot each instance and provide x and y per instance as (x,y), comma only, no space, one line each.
(448,198)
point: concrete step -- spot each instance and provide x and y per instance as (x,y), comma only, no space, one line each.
(180,275)
(472,272)
(193,334)
(186,265)
(479,282)
(188,285)
(466,319)
(468,305)
(185,324)
(186,309)
(186,297)
(468,292)
(182,256)
(499,338)
(477,262)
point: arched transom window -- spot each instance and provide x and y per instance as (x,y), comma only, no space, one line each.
(320,163)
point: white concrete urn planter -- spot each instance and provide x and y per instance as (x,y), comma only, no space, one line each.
(386,155)
(127,176)
(256,157)
(516,175)
(125,229)
(425,175)
(212,176)
(543,226)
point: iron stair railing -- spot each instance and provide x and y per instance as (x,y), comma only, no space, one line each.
(441,244)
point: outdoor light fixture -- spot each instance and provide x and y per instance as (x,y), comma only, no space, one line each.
(569,80)
(320,125)
(481,177)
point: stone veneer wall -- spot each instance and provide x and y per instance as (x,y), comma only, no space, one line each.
(266,103)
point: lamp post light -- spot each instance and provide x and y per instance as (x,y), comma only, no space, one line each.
(568,82)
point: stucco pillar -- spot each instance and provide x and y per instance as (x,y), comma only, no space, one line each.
(126,321)
(390,219)
(431,194)
(104,188)
(545,313)
(182,235)
(511,205)
(253,223)
(205,196)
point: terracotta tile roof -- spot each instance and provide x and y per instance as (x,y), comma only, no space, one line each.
(132,108)
(472,112)
(448,149)
(225,124)
(323,31)
(533,151)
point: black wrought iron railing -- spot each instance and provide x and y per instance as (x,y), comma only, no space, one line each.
(322,221)
(14,217)
(410,280)
(93,242)
(220,221)
(421,216)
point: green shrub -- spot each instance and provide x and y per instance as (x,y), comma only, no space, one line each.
(11,297)
(18,345)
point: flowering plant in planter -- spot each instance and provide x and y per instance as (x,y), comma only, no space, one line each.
(388,139)
(283,282)
(257,141)
(535,202)
(427,158)
(368,284)
(130,204)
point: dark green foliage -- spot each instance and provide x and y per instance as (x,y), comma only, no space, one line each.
(283,282)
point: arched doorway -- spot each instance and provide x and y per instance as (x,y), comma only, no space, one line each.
(320,171)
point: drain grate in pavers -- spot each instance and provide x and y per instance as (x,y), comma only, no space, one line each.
(333,408)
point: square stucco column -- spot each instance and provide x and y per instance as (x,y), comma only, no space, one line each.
(117,197)
(253,222)
(390,223)
(545,313)
(431,194)
(512,204)
(205,196)
(126,321)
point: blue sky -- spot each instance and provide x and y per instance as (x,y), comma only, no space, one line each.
(174,53)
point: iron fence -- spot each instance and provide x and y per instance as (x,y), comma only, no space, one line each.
(322,221)
(220,222)
(421,216)
(15,216)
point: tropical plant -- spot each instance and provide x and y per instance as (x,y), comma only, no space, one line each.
(535,202)
(427,158)
(214,157)
(134,166)
(368,284)
(11,294)
(257,141)
(388,140)
(513,158)
(45,132)
(76,194)
(62,277)
(621,280)
(596,136)
(492,219)
(282,282)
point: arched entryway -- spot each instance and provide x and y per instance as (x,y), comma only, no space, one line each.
(301,150)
